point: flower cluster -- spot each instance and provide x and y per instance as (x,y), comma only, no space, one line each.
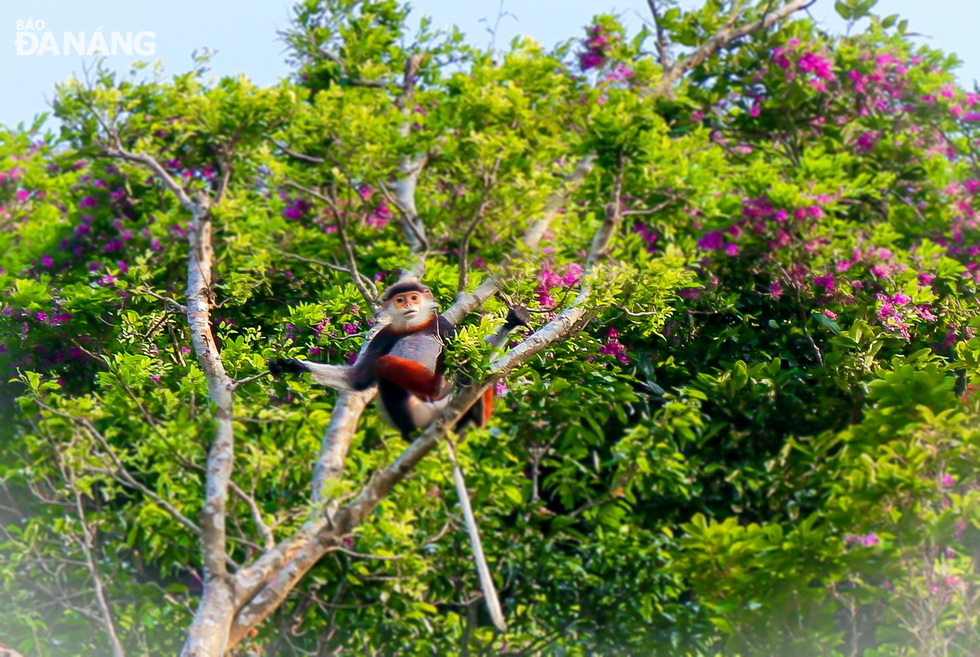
(864,540)
(597,48)
(613,347)
(550,279)
(816,69)
(296,210)
(647,234)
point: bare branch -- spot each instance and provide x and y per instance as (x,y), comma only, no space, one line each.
(171,305)
(268,539)
(363,284)
(722,39)
(402,196)
(310,159)
(314,261)
(337,438)
(478,215)
(468,301)
(208,632)
(240,382)
(120,473)
(151,163)
(87,544)
(663,45)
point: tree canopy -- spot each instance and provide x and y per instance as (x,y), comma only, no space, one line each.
(743,421)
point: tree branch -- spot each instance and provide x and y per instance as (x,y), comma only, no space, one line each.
(468,301)
(363,284)
(270,593)
(87,544)
(722,39)
(663,46)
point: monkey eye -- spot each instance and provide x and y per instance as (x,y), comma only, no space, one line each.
(400,300)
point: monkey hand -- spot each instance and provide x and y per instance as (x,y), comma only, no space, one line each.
(282,366)
(518,316)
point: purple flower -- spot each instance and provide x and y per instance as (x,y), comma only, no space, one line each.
(588,60)
(867,540)
(712,241)
(88,202)
(47,261)
(925,313)
(380,217)
(573,273)
(620,73)
(826,282)
(297,210)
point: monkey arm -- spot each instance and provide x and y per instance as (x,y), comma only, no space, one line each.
(518,316)
(358,376)
(331,376)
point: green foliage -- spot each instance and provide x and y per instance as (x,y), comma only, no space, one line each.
(764,443)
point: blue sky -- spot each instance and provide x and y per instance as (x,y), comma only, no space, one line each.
(244,34)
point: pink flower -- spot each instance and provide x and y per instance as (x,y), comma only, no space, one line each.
(712,241)
(620,73)
(946,480)
(380,217)
(826,282)
(867,540)
(573,273)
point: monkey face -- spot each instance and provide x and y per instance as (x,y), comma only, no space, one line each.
(412,308)
(407,304)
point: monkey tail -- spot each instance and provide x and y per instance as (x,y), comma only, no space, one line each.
(486,581)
